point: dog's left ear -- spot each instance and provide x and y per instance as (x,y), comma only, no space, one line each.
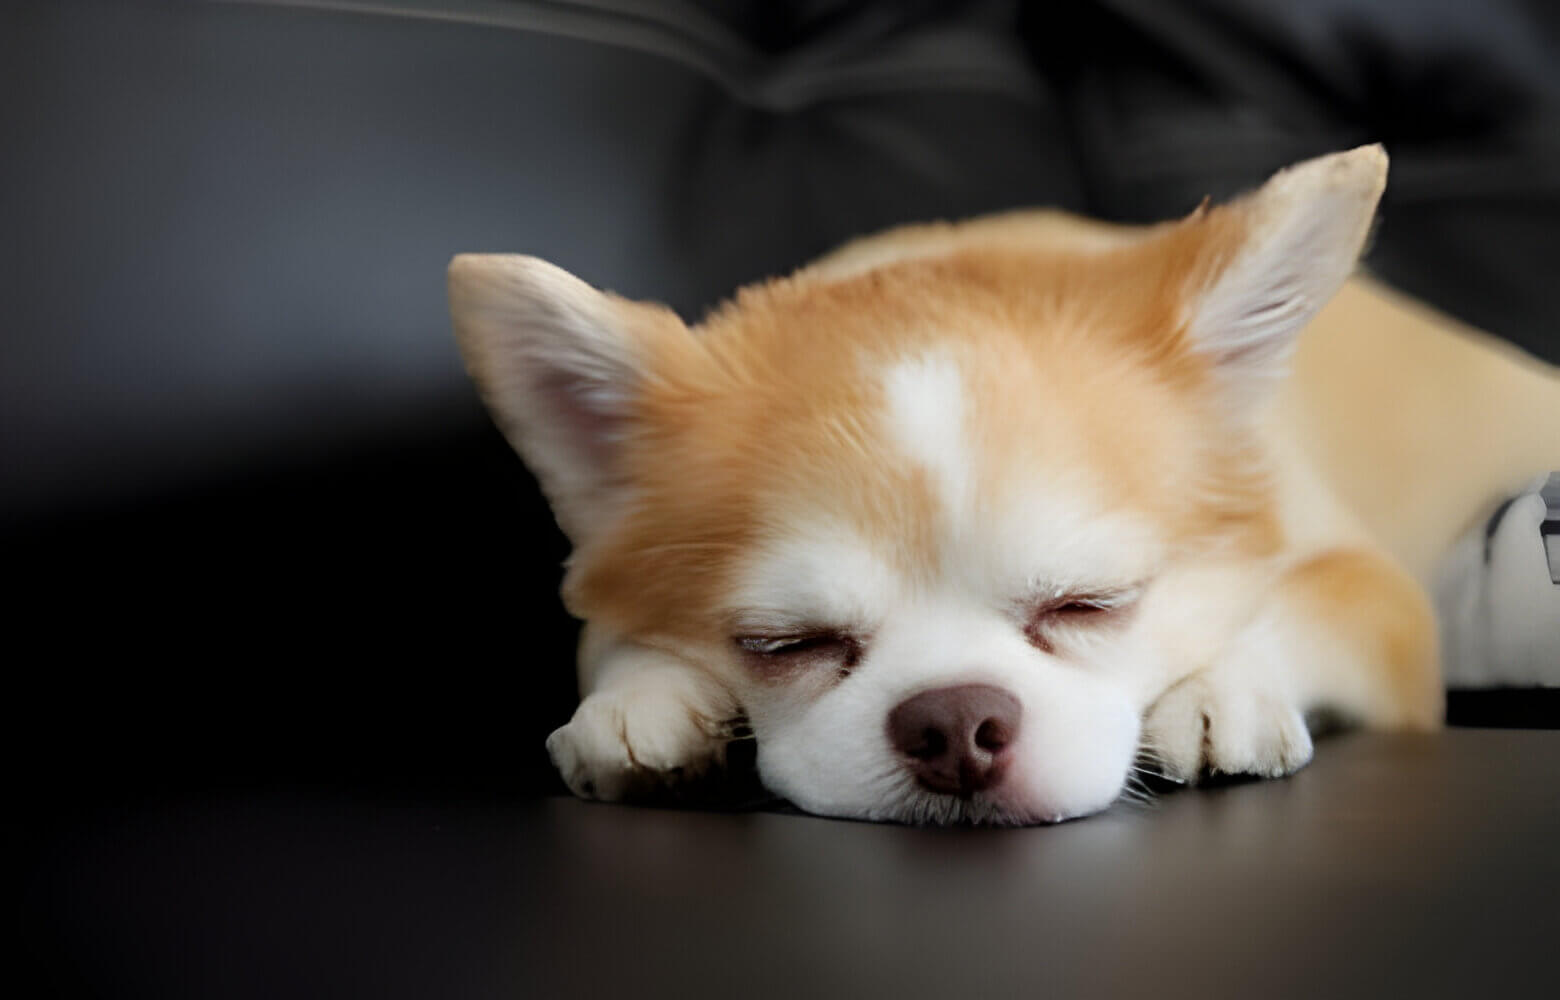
(1268,261)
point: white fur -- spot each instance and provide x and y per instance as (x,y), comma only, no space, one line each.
(818,572)
(1242,715)
(831,753)
(925,415)
(646,719)
(1040,534)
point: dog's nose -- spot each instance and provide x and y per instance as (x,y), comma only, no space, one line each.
(956,738)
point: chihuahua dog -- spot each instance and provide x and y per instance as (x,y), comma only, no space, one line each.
(961,518)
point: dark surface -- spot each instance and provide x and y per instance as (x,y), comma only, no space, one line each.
(1392,866)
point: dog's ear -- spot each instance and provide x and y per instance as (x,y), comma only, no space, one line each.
(560,366)
(1269,260)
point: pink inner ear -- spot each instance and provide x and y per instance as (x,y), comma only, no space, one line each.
(1269,327)
(591,412)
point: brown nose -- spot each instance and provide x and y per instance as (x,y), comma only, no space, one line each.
(955,739)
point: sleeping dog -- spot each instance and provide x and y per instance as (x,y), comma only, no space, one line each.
(961,518)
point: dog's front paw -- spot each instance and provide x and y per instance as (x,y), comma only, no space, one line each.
(633,742)
(1215,723)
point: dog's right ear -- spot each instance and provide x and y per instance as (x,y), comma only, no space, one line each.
(560,366)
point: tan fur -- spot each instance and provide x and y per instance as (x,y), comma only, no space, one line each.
(1374,609)
(1417,422)
(1086,377)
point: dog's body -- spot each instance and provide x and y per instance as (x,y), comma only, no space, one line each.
(961,516)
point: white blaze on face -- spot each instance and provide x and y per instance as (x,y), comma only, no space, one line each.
(927,416)
(1033,520)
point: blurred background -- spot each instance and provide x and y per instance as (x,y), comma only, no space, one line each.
(256,527)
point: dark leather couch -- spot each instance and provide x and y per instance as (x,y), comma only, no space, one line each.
(265,550)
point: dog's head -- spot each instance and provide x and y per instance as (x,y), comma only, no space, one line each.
(943,526)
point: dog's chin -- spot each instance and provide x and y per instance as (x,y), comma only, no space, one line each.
(949,810)
(978,810)
(912,806)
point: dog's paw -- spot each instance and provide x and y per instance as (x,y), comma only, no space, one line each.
(633,742)
(1216,723)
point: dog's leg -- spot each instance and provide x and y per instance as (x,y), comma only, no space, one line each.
(1346,633)
(648,721)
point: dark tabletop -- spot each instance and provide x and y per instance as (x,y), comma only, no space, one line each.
(1406,865)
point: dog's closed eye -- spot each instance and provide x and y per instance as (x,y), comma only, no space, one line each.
(1054,619)
(777,655)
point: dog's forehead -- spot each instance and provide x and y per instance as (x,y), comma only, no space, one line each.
(898,429)
(984,519)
